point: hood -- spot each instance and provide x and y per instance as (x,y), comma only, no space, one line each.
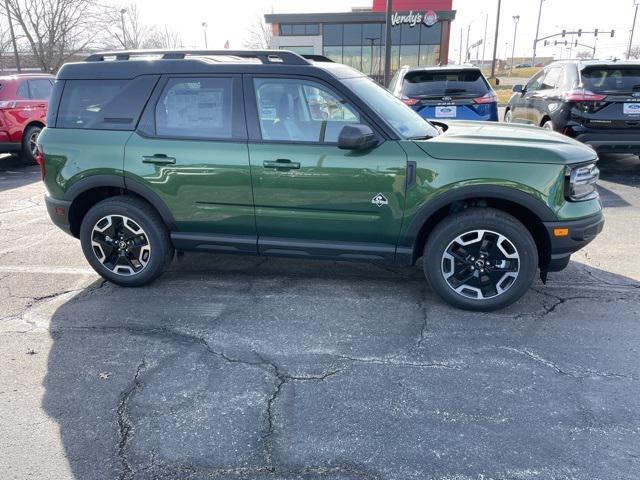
(505,142)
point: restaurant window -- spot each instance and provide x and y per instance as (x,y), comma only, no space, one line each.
(429,55)
(287,29)
(352,56)
(333,53)
(410,35)
(332,34)
(409,55)
(352,34)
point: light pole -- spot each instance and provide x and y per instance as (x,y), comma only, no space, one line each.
(633,27)
(484,40)
(124,30)
(466,50)
(387,44)
(204,29)
(460,53)
(535,41)
(495,43)
(371,40)
(516,19)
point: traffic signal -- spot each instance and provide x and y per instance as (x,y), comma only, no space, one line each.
(546,43)
(595,33)
(613,33)
(579,32)
(576,43)
(564,33)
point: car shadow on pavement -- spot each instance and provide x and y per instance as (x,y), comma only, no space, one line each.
(14,173)
(620,169)
(253,368)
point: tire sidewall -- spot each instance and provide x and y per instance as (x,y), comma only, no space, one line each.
(548,125)
(157,235)
(456,225)
(508,117)
(26,154)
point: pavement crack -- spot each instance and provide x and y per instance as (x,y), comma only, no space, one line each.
(125,427)
(398,363)
(423,327)
(573,373)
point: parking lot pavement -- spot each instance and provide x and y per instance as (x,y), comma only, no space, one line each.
(251,368)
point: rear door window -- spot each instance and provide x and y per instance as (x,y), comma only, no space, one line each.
(200,107)
(23,91)
(445,82)
(553,79)
(104,104)
(612,79)
(40,88)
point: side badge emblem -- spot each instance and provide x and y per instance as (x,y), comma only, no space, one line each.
(379,200)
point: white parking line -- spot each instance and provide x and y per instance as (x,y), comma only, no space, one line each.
(36,269)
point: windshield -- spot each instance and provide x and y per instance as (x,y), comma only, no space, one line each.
(612,79)
(404,121)
(439,83)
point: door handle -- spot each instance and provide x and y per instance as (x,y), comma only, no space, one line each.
(158,159)
(281,164)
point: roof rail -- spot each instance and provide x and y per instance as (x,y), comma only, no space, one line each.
(285,57)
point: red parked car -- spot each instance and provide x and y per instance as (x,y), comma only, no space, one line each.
(23,107)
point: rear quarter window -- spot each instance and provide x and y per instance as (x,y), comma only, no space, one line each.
(456,82)
(104,104)
(612,79)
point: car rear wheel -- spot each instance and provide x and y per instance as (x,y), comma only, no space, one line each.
(125,241)
(548,125)
(508,116)
(481,259)
(29,144)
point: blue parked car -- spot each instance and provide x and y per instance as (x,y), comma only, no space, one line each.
(457,92)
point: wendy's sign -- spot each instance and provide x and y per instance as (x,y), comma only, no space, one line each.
(412,19)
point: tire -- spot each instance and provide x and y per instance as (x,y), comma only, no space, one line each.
(461,283)
(144,251)
(548,125)
(29,137)
(508,116)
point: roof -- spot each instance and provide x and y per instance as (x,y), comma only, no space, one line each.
(590,63)
(132,63)
(445,68)
(340,17)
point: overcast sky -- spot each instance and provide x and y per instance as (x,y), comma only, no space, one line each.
(231,19)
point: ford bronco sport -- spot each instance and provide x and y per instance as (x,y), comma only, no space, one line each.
(270,153)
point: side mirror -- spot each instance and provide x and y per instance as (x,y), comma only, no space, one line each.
(518,88)
(356,137)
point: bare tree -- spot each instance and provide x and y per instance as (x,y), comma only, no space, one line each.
(259,35)
(635,52)
(127,30)
(583,54)
(55,30)
(5,43)
(162,38)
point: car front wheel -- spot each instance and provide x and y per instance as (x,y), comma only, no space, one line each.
(125,241)
(508,116)
(481,259)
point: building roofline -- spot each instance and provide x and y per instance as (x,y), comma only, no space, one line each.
(337,17)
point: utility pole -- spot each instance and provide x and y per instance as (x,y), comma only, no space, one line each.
(124,30)
(371,41)
(633,27)
(516,18)
(466,50)
(535,42)
(495,43)
(204,29)
(461,41)
(13,37)
(387,44)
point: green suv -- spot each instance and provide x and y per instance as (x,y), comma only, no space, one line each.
(271,153)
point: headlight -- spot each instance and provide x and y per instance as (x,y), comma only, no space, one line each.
(581,181)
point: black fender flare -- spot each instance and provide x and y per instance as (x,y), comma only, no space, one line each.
(496,192)
(126,184)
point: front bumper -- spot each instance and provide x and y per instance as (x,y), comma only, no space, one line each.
(581,233)
(59,212)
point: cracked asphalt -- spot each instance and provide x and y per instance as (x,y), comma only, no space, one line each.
(233,367)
